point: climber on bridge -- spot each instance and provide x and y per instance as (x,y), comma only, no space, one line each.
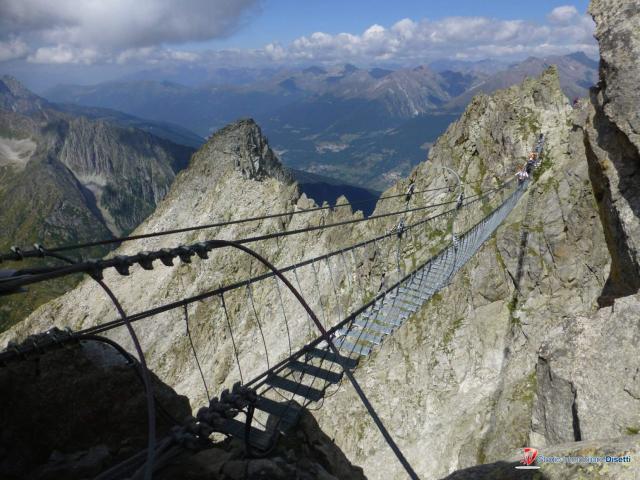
(410,190)
(522,174)
(533,158)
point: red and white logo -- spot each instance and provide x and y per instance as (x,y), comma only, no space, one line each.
(529,456)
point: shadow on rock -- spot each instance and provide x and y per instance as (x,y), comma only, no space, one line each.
(75,412)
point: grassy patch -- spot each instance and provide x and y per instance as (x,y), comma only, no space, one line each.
(450,333)
(543,167)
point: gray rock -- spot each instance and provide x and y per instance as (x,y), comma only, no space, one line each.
(70,413)
(512,353)
(621,447)
(618,34)
(590,369)
(612,141)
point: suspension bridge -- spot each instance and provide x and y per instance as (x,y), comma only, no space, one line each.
(261,409)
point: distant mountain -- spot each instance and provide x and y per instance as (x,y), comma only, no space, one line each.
(577,74)
(168,131)
(480,67)
(341,121)
(372,95)
(199,109)
(66,178)
(326,189)
(195,75)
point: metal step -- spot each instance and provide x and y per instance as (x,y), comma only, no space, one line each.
(329,376)
(394,311)
(385,317)
(404,303)
(257,438)
(359,335)
(287,411)
(410,285)
(431,287)
(416,297)
(329,356)
(373,326)
(413,291)
(292,386)
(353,348)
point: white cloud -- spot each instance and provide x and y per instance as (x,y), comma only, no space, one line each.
(61,27)
(12,48)
(563,14)
(453,37)
(135,32)
(155,55)
(64,54)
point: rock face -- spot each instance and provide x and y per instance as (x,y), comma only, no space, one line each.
(72,412)
(612,139)
(514,352)
(619,447)
(75,412)
(242,147)
(462,373)
(67,179)
(584,357)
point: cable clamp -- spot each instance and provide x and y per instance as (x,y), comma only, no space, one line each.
(18,252)
(145,260)
(185,253)
(122,264)
(166,256)
(201,250)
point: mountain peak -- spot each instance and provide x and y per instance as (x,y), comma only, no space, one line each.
(584,59)
(315,70)
(13,85)
(241,147)
(14,96)
(349,68)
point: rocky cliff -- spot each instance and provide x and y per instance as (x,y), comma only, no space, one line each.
(612,139)
(68,179)
(75,412)
(464,373)
(514,352)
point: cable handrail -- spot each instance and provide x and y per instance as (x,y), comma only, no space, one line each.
(18,254)
(20,278)
(134,317)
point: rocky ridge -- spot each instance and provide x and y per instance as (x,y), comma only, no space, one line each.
(220,184)
(514,352)
(612,139)
(69,179)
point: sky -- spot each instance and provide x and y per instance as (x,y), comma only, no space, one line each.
(86,41)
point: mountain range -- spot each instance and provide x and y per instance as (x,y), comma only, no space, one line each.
(530,347)
(67,178)
(365,126)
(74,174)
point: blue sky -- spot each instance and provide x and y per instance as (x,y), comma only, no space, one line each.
(286,20)
(82,41)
